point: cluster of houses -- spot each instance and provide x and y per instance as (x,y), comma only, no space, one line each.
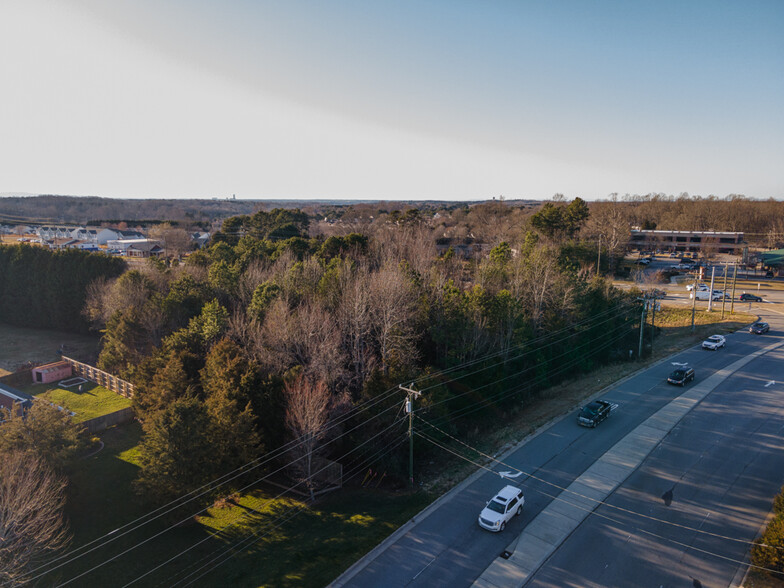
(113,241)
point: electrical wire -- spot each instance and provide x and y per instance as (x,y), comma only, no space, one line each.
(206,508)
(218,531)
(212,485)
(253,538)
(528,368)
(593,512)
(597,501)
(246,468)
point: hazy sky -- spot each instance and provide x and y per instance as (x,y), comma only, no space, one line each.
(442,99)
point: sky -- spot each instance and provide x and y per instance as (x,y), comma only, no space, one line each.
(395,100)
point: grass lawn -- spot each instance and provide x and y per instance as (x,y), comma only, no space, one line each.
(92,401)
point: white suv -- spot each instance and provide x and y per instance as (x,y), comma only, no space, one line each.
(714,342)
(507,503)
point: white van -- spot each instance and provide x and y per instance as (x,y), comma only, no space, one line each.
(704,295)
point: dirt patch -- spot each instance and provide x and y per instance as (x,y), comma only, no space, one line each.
(20,347)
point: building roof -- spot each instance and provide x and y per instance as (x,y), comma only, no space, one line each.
(144,245)
(662,232)
(774,257)
(14,394)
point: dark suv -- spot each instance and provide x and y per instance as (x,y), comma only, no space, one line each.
(759,327)
(750,297)
(681,376)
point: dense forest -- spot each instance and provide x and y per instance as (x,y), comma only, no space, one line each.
(272,334)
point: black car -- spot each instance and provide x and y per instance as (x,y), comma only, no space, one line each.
(681,376)
(750,297)
(595,412)
(759,327)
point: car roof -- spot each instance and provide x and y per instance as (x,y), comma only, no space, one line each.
(508,492)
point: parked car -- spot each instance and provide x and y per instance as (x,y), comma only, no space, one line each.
(594,413)
(759,327)
(673,254)
(746,297)
(643,261)
(681,376)
(714,342)
(690,287)
(507,503)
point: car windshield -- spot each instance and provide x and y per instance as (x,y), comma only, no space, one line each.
(677,374)
(496,506)
(714,338)
(590,410)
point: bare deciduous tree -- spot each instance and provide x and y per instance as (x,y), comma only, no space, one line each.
(32,527)
(175,240)
(393,306)
(306,336)
(307,414)
(355,323)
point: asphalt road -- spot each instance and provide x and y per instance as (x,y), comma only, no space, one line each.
(722,463)
(723,459)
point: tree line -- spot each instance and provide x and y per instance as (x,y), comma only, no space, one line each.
(46,289)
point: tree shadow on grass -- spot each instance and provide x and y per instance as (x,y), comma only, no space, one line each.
(286,543)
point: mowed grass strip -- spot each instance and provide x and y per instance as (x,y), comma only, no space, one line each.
(92,401)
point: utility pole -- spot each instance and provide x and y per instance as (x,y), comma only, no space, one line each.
(710,298)
(653,321)
(724,291)
(642,326)
(411,395)
(694,301)
(599,257)
(734,281)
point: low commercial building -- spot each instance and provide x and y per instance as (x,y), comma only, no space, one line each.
(693,241)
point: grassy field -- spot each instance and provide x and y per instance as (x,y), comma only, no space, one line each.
(259,539)
(89,402)
(19,346)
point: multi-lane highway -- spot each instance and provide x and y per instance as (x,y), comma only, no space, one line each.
(721,459)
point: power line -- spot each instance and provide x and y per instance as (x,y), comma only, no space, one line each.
(235,549)
(244,515)
(577,494)
(246,468)
(204,509)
